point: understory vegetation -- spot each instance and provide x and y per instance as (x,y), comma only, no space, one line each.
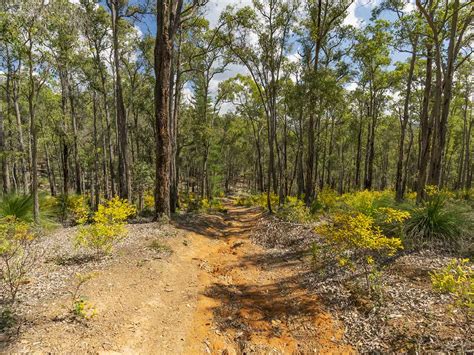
(362,231)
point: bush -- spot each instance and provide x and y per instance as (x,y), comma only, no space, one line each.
(456,278)
(294,210)
(80,307)
(367,202)
(79,208)
(440,223)
(258,200)
(108,226)
(326,200)
(21,207)
(355,241)
(149,201)
(18,206)
(17,254)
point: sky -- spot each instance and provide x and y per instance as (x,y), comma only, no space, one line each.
(358,15)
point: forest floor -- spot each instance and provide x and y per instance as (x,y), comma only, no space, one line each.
(198,285)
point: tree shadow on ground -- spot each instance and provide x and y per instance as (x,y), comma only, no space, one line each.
(220,226)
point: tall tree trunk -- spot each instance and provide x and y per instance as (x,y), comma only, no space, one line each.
(439,140)
(77,166)
(399,185)
(121,120)
(425,128)
(33,131)
(162,66)
(25,174)
(358,157)
(96,182)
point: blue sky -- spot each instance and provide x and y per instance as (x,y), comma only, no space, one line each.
(358,15)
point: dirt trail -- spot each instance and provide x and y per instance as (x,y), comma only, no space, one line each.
(252,304)
(217,293)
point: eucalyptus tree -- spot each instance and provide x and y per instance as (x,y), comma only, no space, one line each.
(258,37)
(241,91)
(448,23)
(31,32)
(96,24)
(371,54)
(62,43)
(119,10)
(170,15)
(323,18)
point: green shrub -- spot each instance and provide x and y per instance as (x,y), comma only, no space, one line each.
(21,207)
(18,206)
(159,247)
(439,222)
(294,210)
(258,200)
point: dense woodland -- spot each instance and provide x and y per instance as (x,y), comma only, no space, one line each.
(90,105)
(316,170)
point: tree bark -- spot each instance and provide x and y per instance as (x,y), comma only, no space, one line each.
(399,182)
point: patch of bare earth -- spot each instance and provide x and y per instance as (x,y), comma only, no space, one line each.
(217,292)
(251,305)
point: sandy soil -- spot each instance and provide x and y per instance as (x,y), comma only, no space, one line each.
(216,294)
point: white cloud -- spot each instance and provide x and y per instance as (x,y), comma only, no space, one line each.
(351,86)
(294,57)
(351,18)
(215,7)
(139,31)
(359,6)
(409,6)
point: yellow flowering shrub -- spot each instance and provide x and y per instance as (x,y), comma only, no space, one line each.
(79,208)
(113,211)
(456,278)
(327,198)
(16,254)
(294,210)
(149,201)
(392,215)
(411,196)
(108,226)
(354,240)
(366,201)
(80,307)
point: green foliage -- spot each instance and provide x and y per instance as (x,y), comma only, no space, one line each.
(258,200)
(19,206)
(439,222)
(456,278)
(17,254)
(192,203)
(7,318)
(108,226)
(294,210)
